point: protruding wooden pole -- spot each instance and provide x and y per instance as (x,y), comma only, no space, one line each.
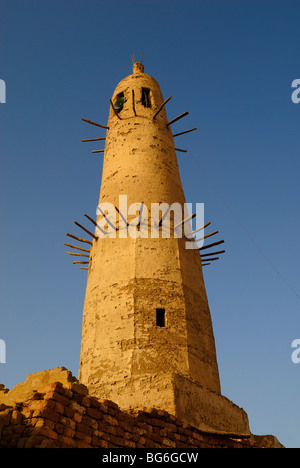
(95,224)
(211,245)
(177,118)
(82,263)
(200,229)
(115,112)
(211,259)
(207,235)
(78,248)
(186,131)
(77,254)
(84,229)
(185,221)
(94,123)
(213,253)
(98,151)
(133,103)
(95,139)
(181,150)
(83,268)
(79,239)
(161,107)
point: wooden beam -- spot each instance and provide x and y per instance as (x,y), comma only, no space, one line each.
(213,253)
(185,220)
(161,107)
(115,112)
(133,102)
(182,151)
(95,139)
(82,263)
(211,259)
(94,123)
(207,235)
(77,254)
(200,229)
(177,118)
(204,264)
(83,268)
(211,245)
(78,238)
(186,131)
(98,151)
(95,224)
(88,232)
(78,248)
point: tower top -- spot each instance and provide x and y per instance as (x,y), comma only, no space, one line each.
(138,67)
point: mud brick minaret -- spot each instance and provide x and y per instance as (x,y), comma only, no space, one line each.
(147,335)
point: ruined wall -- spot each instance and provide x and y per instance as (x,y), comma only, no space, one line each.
(44,414)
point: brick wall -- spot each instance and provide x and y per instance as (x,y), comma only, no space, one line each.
(69,418)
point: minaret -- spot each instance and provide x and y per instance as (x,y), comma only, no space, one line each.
(147,335)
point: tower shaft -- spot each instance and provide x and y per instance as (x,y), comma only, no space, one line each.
(147,335)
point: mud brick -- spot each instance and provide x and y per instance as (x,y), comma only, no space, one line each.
(53,395)
(84,429)
(16,417)
(69,412)
(69,432)
(33,441)
(5,417)
(67,442)
(59,428)
(111,420)
(41,422)
(112,430)
(49,443)
(77,407)
(118,441)
(77,417)
(95,403)
(58,387)
(47,413)
(19,428)
(67,422)
(83,437)
(94,413)
(79,388)
(45,432)
(129,443)
(90,422)
(21,442)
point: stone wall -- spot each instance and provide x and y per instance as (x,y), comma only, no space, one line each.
(63,415)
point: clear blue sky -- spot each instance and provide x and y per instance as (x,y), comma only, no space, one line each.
(231,65)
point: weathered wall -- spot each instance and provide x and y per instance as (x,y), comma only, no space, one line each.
(42,413)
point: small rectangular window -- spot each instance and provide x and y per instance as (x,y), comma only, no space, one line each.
(160,317)
(146,97)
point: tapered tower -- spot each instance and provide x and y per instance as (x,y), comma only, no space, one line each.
(147,335)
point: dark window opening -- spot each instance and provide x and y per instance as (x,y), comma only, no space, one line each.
(146,97)
(120,101)
(160,317)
